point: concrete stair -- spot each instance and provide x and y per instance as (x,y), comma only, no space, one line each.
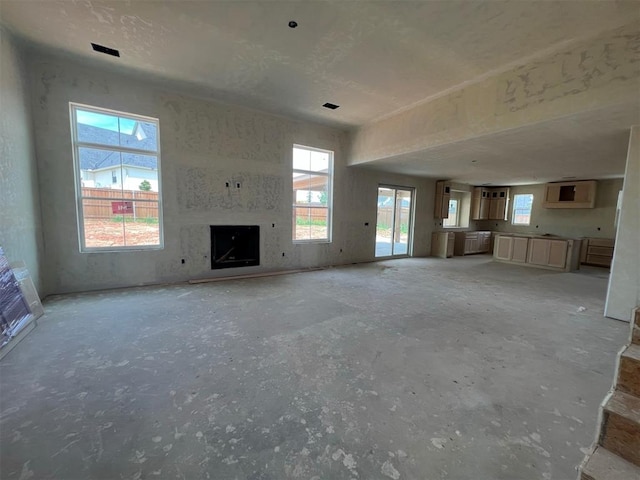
(616,455)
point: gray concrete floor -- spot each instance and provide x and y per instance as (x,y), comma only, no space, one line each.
(404,369)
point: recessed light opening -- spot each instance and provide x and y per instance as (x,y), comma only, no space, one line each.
(331,106)
(293,24)
(102,49)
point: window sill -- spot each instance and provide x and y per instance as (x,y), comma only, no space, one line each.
(308,242)
(122,249)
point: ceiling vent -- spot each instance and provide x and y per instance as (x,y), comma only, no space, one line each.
(107,50)
(331,106)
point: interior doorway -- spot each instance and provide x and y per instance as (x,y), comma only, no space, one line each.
(394,223)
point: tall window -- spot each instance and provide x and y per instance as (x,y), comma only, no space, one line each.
(454,214)
(117,176)
(312,192)
(522,205)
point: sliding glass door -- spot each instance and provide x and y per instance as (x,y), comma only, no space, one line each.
(394,221)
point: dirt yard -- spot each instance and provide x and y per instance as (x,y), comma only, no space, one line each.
(310,232)
(109,233)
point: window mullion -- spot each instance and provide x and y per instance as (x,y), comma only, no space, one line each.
(115,148)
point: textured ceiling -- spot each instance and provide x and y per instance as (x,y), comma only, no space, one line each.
(373,58)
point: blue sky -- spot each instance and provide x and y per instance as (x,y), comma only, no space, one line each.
(108,122)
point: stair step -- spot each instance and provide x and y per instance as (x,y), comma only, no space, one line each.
(604,465)
(620,433)
(629,371)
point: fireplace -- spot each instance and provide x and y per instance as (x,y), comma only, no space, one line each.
(235,246)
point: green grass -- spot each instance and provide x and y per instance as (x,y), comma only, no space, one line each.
(302,221)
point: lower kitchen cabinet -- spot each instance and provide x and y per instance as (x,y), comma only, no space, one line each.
(520,248)
(442,244)
(597,251)
(467,243)
(552,253)
(548,253)
(511,249)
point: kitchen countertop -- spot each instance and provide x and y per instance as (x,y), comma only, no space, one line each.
(532,235)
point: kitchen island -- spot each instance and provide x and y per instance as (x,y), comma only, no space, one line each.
(542,251)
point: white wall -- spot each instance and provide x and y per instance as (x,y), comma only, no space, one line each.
(204,144)
(624,283)
(20,231)
(570,222)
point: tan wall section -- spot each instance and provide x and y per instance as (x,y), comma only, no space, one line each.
(20,230)
(588,222)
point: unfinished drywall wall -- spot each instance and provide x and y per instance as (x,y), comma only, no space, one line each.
(20,232)
(204,145)
(595,222)
(623,294)
(591,74)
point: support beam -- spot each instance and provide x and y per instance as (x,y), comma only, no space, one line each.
(589,75)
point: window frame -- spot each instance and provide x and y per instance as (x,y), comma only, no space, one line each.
(329,174)
(457,221)
(513,209)
(77,172)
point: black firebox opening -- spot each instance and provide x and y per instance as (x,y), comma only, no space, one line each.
(235,246)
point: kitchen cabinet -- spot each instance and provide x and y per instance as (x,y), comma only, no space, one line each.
(443,194)
(480,203)
(489,203)
(467,243)
(442,244)
(570,194)
(520,248)
(537,251)
(548,253)
(503,249)
(597,252)
(498,203)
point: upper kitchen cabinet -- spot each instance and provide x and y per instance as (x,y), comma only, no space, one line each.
(443,195)
(480,203)
(490,203)
(580,194)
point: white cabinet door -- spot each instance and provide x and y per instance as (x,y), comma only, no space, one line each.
(503,247)
(520,247)
(539,251)
(557,253)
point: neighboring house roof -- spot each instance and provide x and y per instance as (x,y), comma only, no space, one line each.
(131,168)
(94,159)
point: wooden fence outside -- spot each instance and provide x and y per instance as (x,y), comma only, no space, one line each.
(98,208)
(314,214)
(385,215)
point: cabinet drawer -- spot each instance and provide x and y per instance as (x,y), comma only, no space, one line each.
(601,242)
(607,251)
(601,260)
